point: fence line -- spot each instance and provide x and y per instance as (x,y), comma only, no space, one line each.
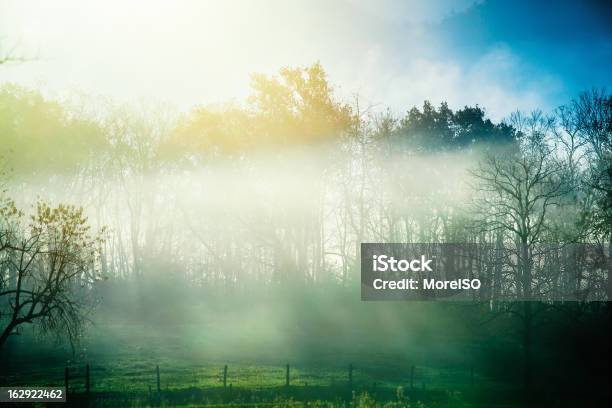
(350,384)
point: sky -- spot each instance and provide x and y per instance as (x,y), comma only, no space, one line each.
(393,54)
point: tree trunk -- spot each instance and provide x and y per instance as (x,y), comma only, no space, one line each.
(527,348)
(6,333)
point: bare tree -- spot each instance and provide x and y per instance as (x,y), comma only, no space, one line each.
(517,189)
(592,114)
(587,121)
(47,267)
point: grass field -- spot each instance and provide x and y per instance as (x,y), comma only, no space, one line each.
(132,381)
(123,361)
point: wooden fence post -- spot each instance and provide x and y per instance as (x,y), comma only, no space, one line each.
(87,383)
(158,383)
(66,378)
(225,376)
(287,376)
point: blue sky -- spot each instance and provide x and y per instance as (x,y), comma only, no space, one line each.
(568,40)
(502,55)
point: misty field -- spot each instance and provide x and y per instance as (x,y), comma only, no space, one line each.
(129,376)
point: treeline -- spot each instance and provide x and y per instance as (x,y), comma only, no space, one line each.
(284,187)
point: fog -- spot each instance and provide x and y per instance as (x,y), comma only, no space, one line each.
(254,254)
(231,234)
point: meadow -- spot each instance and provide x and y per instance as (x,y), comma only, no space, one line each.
(123,372)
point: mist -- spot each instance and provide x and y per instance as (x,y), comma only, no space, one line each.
(231,234)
